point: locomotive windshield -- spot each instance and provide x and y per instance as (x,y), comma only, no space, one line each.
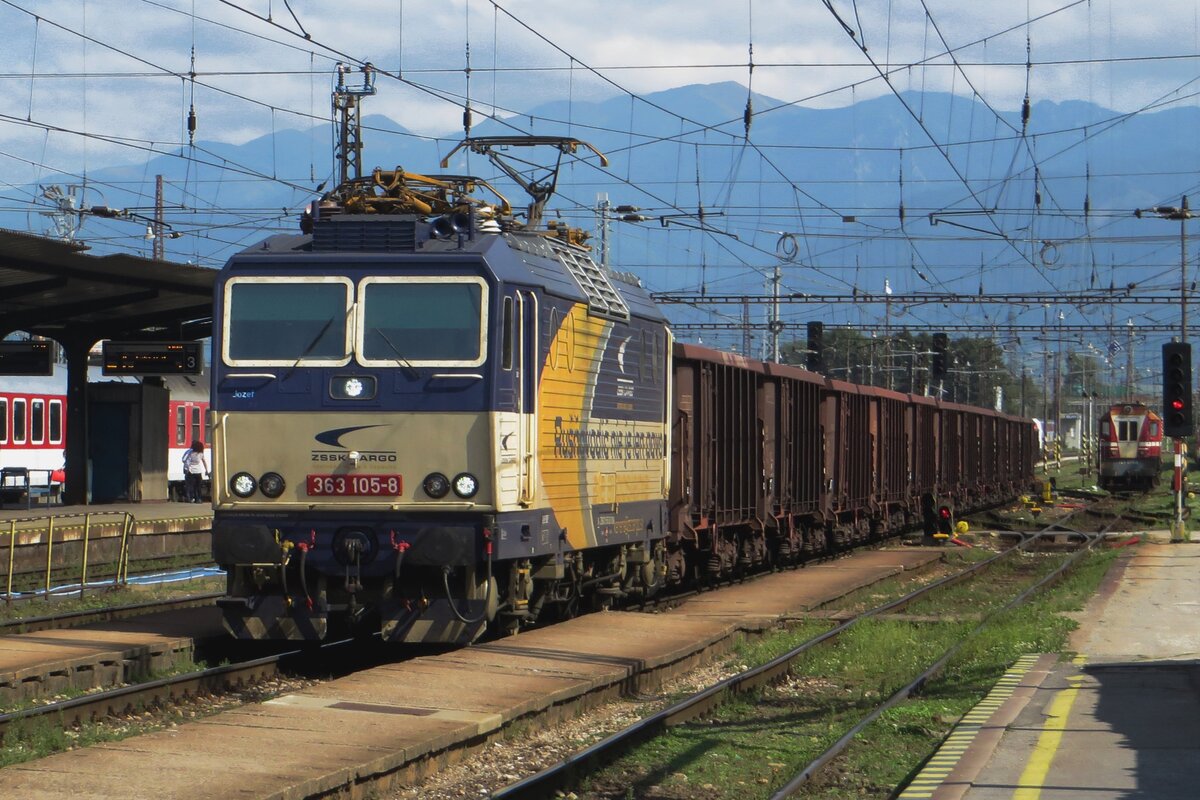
(269,321)
(422,321)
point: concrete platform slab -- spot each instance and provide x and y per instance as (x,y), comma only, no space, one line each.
(31,664)
(1120,720)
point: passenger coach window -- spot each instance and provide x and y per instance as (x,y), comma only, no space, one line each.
(196,424)
(282,323)
(181,425)
(432,321)
(4,421)
(37,422)
(56,422)
(18,426)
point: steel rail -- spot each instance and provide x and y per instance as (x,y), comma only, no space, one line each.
(556,777)
(917,683)
(78,710)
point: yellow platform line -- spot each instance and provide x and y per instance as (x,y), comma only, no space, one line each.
(943,762)
(1033,777)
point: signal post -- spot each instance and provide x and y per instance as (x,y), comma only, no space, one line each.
(1177,418)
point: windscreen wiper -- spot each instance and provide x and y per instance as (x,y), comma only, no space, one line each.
(312,346)
(409,370)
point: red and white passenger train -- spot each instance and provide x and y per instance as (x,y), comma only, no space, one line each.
(33,420)
(1130,447)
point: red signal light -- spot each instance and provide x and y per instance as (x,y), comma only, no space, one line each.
(944,512)
(1177,404)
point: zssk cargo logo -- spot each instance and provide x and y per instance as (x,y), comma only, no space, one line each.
(333,438)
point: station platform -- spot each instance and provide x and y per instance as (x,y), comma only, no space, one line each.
(150,517)
(1119,721)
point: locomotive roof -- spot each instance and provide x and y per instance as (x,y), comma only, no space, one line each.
(514,257)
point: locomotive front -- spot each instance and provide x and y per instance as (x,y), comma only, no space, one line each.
(416,422)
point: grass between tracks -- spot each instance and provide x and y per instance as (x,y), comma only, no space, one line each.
(751,746)
(107,597)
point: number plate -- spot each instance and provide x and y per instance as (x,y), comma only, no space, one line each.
(355,486)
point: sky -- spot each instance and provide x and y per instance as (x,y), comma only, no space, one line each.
(92,83)
(120,68)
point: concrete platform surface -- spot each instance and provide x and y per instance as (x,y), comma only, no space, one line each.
(102,654)
(1121,721)
(394,720)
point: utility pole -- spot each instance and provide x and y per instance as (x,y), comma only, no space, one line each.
(602,217)
(1129,383)
(347,150)
(776,325)
(746,341)
(1183,214)
(158,250)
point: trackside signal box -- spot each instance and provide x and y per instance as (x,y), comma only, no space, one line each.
(1177,390)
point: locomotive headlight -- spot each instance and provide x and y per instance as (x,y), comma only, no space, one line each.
(436,485)
(465,485)
(352,387)
(242,484)
(271,484)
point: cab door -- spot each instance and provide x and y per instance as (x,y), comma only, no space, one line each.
(526,381)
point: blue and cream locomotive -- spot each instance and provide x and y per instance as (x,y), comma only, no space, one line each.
(429,417)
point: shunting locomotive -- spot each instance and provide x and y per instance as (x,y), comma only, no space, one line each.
(1130,447)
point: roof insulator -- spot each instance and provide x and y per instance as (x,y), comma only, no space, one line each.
(748,115)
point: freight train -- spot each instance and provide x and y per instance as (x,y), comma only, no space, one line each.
(1129,448)
(432,419)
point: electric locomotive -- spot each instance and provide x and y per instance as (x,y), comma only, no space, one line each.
(429,417)
(1130,447)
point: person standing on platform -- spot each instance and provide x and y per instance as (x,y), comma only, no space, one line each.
(195,465)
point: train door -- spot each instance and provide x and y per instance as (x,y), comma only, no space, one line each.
(526,381)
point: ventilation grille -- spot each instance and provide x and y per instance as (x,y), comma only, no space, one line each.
(362,233)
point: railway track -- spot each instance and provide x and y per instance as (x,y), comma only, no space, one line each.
(163,692)
(73,619)
(567,773)
(329,660)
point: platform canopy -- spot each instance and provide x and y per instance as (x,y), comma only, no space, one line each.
(55,289)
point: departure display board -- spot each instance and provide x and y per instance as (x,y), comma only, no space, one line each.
(27,358)
(153,358)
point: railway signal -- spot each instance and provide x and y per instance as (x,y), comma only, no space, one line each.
(938,365)
(816,347)
(945,523)
(1177,389)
